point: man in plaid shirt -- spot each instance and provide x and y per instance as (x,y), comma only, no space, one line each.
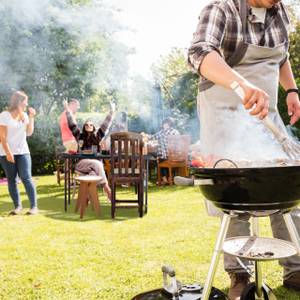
(162,139)
(240,51)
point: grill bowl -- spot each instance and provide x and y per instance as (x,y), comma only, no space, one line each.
(251,189)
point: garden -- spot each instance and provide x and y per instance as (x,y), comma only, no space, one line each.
(55,255)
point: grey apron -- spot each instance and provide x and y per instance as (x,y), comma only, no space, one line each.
(228,131)
(227,128)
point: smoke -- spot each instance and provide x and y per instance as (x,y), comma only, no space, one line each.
(54,49)
(250,141)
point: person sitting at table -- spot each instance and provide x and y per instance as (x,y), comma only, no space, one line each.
(87,139)
(162,145)
(67,137)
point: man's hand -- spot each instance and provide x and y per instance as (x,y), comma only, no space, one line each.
(31,112)
(293,105)
(65,104)
(10,157)
(255,99)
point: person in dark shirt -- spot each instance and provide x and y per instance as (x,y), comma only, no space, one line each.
(87,139)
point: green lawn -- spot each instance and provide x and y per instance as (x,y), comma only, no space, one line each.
(57,256)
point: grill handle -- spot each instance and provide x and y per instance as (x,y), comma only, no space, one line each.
(184,181)
(168,270)
(173,286)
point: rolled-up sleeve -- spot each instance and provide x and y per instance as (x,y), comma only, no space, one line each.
(208,36)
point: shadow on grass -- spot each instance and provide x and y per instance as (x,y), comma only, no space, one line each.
(51,205)
(282,293)
(152,188)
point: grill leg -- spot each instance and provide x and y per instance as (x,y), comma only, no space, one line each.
(258,272)
(216,256)
(292,230)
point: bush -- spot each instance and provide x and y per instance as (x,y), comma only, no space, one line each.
(42,144)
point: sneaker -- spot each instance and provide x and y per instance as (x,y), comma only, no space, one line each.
(33,211)
(16,211)
(293,282)
(238,283)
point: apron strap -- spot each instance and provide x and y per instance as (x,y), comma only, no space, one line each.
(242,47)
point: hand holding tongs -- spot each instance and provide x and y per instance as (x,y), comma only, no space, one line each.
(291,147)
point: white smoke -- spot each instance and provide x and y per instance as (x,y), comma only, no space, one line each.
(90,24)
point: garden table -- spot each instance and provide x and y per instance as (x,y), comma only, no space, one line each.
(71,158)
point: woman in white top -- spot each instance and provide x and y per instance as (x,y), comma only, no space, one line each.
(15,159)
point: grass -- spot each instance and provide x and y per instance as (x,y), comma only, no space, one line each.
(55,255)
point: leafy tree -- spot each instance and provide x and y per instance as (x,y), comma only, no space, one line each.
(179,89)
(54,49)
(168,71)
(71,52)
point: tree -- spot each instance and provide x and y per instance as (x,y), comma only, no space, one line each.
(179,89)
(55,49)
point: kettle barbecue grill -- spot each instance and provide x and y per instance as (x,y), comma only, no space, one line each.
(258,192)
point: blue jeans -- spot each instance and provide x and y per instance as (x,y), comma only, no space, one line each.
(21,167)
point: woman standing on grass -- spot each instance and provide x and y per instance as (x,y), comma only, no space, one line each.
(15,159)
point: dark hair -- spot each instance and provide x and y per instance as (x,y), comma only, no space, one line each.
(86,133)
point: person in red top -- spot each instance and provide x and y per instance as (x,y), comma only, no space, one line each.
(67,137)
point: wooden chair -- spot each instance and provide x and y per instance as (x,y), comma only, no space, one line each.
(178,147)
(127,167)
(87,192)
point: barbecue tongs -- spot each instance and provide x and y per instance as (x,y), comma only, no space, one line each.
(290,146)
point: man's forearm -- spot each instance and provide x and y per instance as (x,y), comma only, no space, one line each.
(106,123)
(286,76)
(215,69)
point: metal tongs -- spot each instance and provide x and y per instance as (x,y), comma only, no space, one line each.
(290,146)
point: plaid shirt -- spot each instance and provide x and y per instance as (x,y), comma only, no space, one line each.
(162,139)
(220,29)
